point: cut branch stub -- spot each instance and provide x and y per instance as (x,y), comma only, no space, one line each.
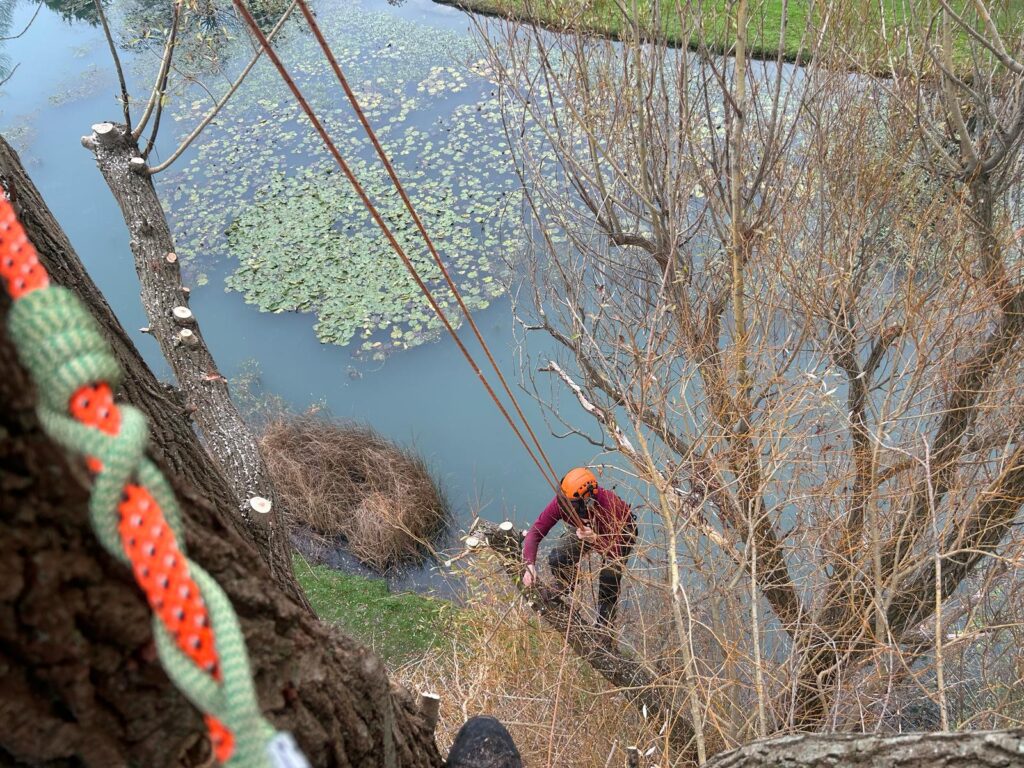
(260,505)
(138,165)
(183,315)
(171,258)
(105,133)
(430,707)
(187,337)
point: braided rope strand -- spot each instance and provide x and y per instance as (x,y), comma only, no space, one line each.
(132,509)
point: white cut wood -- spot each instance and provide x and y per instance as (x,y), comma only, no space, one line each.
(260,504)
(505,526)
(170,258)
(185,336)
(472,542)
(182,314)
(103,134)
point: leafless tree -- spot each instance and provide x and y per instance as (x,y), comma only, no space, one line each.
(789,298)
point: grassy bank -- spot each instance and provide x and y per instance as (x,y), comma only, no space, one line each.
(492,657)
(399,627)
(603,17)
(863,29)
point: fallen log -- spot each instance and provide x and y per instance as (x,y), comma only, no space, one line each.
(970,749)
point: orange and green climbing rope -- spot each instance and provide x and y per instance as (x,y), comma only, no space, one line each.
(133,511)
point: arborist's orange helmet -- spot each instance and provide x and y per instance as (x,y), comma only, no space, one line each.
(579,483)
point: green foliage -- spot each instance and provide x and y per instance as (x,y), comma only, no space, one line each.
(397,626)
(607,17)
(208,31)
(262,191)
(6,14)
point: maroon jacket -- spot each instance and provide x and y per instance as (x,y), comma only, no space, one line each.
(608,519)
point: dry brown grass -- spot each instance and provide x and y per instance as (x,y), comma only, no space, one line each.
(501,661)
(345,479)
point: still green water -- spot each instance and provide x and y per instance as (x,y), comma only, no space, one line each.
(288,277)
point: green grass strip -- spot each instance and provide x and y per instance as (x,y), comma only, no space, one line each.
(398,626)
(864,29)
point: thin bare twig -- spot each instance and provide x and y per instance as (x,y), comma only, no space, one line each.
(224,99)
(30,21)
(161,79)
(117,63)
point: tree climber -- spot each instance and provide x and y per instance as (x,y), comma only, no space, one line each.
(603,523)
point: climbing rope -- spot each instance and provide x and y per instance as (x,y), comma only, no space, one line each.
(132,509)
(400,188)
(240,6)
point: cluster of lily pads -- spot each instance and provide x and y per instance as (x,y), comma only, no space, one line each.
(442,79)
(260,192)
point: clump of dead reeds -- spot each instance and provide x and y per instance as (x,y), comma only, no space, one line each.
(339,478)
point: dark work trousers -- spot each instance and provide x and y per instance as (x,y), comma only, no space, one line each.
(564,561)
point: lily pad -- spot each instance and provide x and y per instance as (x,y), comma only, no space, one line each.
(260,190)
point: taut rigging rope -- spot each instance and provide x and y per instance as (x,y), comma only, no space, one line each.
(342,80)
(392,240)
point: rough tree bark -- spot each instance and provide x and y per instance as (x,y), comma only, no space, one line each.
(182,451)
(229,440)
(79,679)
(972,749)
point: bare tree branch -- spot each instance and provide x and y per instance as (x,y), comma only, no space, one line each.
(208,118)
(39,7)
(117,63)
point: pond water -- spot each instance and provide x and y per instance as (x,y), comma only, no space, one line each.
(257,192)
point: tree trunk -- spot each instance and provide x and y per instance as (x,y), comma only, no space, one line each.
(229,440)
(180,449)
(971,749)
(79,678)
(161,403)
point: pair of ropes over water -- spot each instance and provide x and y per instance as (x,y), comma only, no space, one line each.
(535,451)
(132,509)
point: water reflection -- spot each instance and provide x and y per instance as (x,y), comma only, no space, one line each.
(74,10)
